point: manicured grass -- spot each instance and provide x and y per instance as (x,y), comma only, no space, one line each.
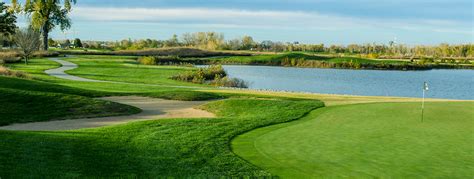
(20,106)
(161,148)
(36,68)
(146,81)
(126,70)
(201,147)
(380,140)
(183,95)
(40,86)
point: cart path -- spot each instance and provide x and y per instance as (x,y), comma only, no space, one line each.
(65,66)
(152,109)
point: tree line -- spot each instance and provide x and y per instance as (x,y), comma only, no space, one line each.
(216,41)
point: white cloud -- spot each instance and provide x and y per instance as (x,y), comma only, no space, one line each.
(234,18)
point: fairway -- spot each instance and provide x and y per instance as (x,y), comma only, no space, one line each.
(385,140)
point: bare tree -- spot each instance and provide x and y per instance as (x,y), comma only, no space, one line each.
(28,40)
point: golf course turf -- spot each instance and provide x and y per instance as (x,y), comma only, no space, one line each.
(300,137)
(170,147)
(30,101)
(385,140)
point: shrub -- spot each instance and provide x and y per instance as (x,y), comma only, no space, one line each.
(229,82)
(41,54)
(147,60)
(202,74)
(28,39)
(15,56)
(9,57)
(373,55)
(213,75)
(163,60)
(4,71)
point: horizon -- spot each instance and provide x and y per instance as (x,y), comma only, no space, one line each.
(308,22)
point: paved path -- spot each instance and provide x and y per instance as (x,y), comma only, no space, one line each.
(152,109)
(60,72)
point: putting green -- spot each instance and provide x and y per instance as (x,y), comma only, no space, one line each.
(385,140)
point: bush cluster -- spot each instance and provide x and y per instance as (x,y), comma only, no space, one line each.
(228,82)
(9,57)
(300,62)
(15,56)
(147,60)
(163,60)
(213,75)
(202,74)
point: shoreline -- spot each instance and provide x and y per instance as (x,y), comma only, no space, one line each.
(330,99)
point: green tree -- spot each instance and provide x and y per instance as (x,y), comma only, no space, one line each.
(173,41)
(51,42)
(7,20)
(77,43)
(46,15)
(247,43)
(67,44)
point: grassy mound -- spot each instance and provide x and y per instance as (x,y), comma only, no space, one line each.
(19,106)
(162,148)
(382,140)
(38,86)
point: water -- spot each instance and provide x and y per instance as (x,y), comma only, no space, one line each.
(449,84)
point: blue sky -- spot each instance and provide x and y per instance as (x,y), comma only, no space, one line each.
(307,21)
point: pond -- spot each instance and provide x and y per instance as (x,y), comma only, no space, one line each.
(449,84)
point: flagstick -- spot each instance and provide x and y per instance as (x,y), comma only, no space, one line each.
(423,105)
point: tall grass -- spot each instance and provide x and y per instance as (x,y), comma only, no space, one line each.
(163,60)
(4,71)
(13,56)
(9,57)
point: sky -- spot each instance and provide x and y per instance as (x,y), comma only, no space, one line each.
(307,21)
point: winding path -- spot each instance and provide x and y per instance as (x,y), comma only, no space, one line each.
(152,108)
(60,72)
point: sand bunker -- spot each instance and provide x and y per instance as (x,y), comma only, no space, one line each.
(152,109)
